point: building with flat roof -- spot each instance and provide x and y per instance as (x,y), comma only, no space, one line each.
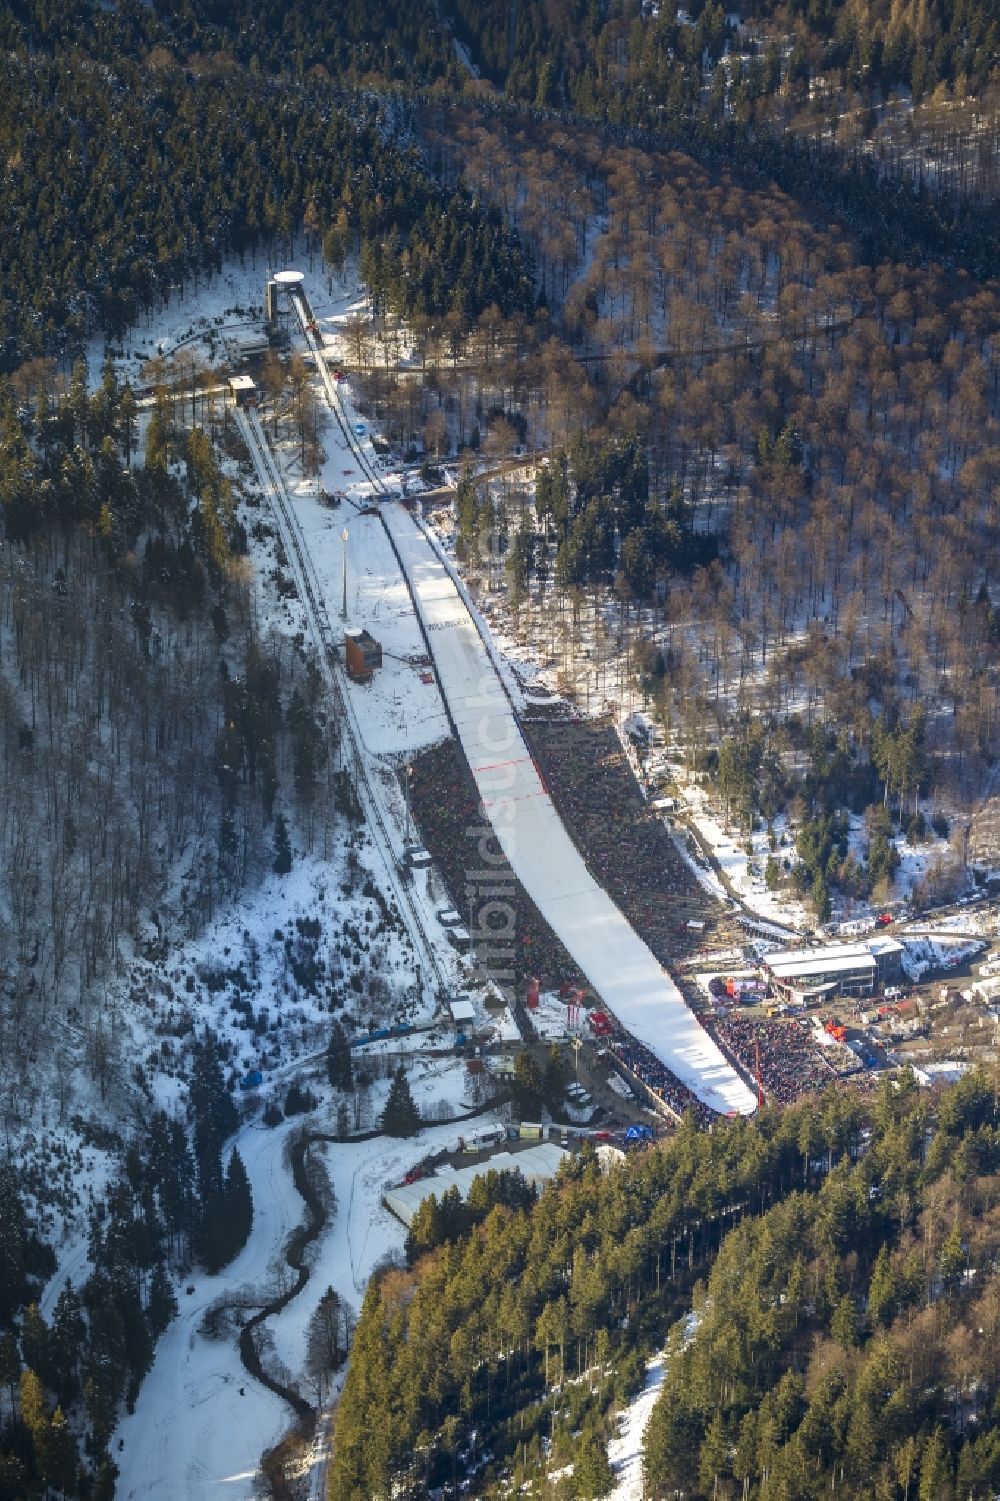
(243,389)
(839,969)
(462,1011)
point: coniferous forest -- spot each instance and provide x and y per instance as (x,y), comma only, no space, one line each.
(179,1197)
(730,276)
(831,1276)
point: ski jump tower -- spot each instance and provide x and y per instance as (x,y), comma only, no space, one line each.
(279,291)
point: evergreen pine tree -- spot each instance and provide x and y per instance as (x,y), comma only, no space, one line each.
(210,1241)
(66,1345)
(57,1455)
(935,1470)
(10,1365)
(425,1230)
(593,1476)
(400,1117)
(105,1478)
(527,1085)
(239,1203)
(35,1341)
(226,1217)
(214,1113)
(338,1058)
(282,846)
(13,1241)
(162,1304)
(33,1411)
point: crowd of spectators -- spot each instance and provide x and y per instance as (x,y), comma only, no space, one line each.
(790,1065)
(445,810)
(656,1076)
(624,841)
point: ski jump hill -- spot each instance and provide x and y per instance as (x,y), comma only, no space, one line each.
(617,963)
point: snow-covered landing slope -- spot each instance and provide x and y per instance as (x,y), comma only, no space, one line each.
(616,961)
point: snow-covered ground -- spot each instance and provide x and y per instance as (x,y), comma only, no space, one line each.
(201,319)
(200,1421)
(745,872)
(400,711)
(625,1451)
(615,960)
(362,1232)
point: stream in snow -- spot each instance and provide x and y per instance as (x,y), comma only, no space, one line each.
(201,1422)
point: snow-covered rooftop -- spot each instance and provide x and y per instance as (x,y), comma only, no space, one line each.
(537,1164)
(836,959)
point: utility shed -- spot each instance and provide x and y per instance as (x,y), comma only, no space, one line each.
(244,390)
(364,655)
(537,1164)
(462,1011)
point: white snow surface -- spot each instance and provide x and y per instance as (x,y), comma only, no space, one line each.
(617,963)
(399,712)
(201,1423)
(625,1451)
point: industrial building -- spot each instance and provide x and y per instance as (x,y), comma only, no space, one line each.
(802,975)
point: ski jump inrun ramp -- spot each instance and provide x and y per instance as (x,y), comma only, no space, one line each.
(618,964)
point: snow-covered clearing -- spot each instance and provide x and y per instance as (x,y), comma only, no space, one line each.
(200,1421)
(202,319)
(400,712)
(462,53)
(625,1451)
(362,1232)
